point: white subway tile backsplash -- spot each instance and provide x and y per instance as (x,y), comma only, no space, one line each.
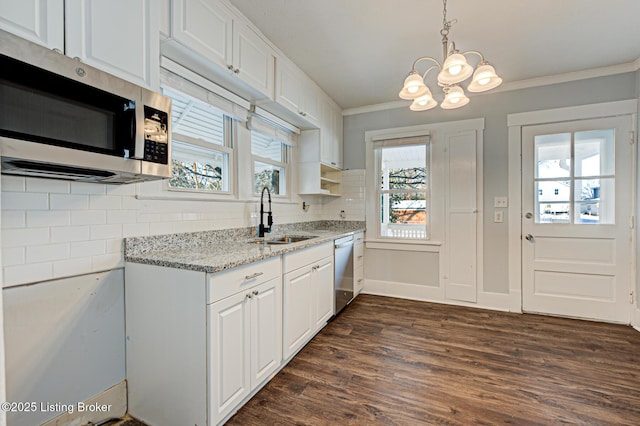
(105,202)
(135,230)
(121,189)
(13,256)
(65,234)
(47,253)
(42,218)
(21,237)
(69,202)
(115,245)
(25,201)
(47,185)
(76,266)
(87,188)
(122,216)
(13,183)
(87,248)
(107,261)
(28,273)
(13,219)
(104,232)
(88,217)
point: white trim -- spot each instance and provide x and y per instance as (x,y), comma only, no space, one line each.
(115,398)
(635,319)
(428,246)
(433,294)
(580,112)
(516,85)
(514,211)
(277,121)
(187,74)
(423,129)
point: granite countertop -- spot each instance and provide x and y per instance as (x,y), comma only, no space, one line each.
(214,251)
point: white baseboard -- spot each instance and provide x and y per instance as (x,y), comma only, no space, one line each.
(486,300)
(515,300)
(110,404)
(635,319)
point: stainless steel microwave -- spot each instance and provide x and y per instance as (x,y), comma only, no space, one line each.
(63,119)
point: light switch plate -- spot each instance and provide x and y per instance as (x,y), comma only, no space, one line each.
(498,216)
(501,202)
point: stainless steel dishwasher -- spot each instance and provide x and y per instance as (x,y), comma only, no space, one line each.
(343,258)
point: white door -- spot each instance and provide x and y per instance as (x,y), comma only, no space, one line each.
(577,187)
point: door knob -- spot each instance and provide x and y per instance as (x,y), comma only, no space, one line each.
(528,215)
(529,237)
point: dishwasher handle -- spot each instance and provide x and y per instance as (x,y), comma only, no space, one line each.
(343,242)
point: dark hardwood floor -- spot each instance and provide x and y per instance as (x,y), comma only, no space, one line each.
(387,361)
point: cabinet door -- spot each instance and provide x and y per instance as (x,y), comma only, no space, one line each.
(298,291)
(288,86)
(39,21)
(229,354)
(118,36)
(311,106)
(323,278)
(253,59)
(206,26)
(266,330)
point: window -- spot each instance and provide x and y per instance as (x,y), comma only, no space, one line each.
(580,167)
(202,147)
(270,157)
(403,188)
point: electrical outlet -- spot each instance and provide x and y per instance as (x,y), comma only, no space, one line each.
(498,216)
(501,202)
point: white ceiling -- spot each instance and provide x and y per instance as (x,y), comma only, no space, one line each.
(360,51)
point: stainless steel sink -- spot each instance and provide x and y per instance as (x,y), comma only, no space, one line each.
(285,239)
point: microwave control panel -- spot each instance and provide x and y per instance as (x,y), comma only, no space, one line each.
(156,136)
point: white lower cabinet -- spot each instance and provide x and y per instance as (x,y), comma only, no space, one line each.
(198,345)
(245,332)
(308,295)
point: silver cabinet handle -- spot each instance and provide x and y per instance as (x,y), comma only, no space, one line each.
(360,257)
(252,276)
(529,237)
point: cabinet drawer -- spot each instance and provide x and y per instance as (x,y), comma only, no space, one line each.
(304,257)
(226,283)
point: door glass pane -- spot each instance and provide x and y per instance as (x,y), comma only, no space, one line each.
(595,201)
(553,201)
(594,153)
(553,155)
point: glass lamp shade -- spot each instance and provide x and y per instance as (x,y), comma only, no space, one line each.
(455,69)
(413,88)
(423,103)
(454,98)
(485,78)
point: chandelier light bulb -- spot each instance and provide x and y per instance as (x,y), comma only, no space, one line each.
(413,87)
(455,69)
(485,78)
(454,98)
(423,103)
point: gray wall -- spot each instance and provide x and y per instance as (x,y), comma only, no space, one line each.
(494,108)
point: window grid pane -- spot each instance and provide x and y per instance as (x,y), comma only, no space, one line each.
(587,162)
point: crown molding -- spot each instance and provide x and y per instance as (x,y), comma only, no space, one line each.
(517,85)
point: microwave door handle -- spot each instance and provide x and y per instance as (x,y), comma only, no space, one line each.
(129,144)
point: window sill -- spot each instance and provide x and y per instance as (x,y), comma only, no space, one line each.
(404,245)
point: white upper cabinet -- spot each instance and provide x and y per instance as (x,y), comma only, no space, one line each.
(39,21)
(331,137)
(120,37)
(297,93)
(213,35)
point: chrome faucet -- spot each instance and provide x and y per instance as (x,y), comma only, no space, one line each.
(261,228)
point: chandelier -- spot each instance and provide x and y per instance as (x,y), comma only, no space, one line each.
(453,71)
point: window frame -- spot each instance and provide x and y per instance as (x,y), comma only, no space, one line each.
(229,132)
(285,164)
(380,192)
